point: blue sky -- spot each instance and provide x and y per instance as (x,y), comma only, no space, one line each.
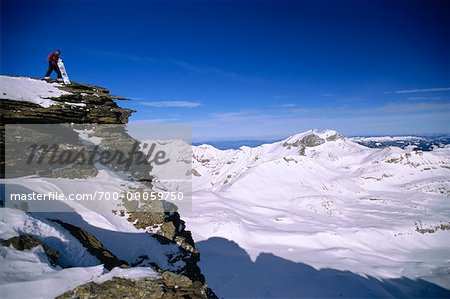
(249,69)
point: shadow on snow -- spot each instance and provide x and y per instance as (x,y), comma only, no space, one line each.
(231,273)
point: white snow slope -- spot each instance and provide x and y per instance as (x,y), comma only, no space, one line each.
(28,274)
(29,90)
(339,206)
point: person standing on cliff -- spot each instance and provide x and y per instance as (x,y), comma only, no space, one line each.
(53,65)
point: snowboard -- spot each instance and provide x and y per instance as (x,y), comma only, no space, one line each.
(63,71)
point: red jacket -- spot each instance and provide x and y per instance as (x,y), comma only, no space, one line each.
(53,58)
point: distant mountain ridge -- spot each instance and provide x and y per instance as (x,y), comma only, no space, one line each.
(425,143)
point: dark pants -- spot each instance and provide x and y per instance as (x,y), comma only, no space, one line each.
(51,68)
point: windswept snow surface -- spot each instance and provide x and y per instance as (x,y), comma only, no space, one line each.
(29,90)
(95,216)
(338,205)
(29,274)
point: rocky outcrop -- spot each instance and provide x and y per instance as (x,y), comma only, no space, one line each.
(26,242)
(310,140)
(168,285)
(174,230)
(334,137)
(169,228)
(86,104)
(93,246)
(83,104)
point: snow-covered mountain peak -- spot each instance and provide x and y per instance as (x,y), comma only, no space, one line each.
(312,137)
(217,169)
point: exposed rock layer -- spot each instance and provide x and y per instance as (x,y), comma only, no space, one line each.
(95,105)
